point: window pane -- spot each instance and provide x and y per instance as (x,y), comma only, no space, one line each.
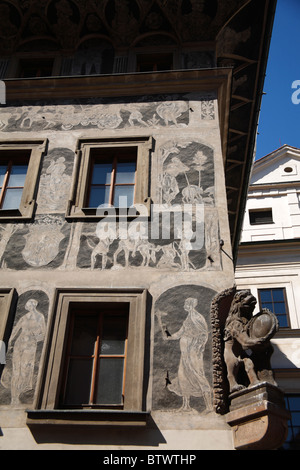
(110,381)
(278,295)
(101,173)
(261,217)
(99,195)
(123,196)
(79,382)
(282,320)
(265,295)
(279,307)
(113,335)
(125,173)
(84,335)
(294,403)
(267,305)
(12,199)
(296,418)
(3,169)
(293,438)
(17,176)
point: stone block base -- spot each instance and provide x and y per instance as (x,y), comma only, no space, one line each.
(258,417)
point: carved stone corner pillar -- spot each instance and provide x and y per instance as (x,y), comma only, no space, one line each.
(258,417)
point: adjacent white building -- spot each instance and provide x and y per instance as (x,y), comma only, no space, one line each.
(269,263)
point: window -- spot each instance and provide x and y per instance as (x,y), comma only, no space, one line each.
(275,300)
(260,216)
(12,179)
(29,68)
(112,177)
(110,173)
(293,406)
(19,169)
(96,357)
(154,62)
(96,361)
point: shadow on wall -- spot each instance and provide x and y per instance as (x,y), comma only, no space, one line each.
(281,361)
(99,435)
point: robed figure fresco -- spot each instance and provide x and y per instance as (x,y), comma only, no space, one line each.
(29,330)
(192,336)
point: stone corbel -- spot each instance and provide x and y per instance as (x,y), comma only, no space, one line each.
(258,418)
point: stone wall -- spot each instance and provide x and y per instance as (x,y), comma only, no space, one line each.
(51,252)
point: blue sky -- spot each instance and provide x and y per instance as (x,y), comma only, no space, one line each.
(279,121)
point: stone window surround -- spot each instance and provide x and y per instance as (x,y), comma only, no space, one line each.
(28,202)
(8,298)
(46,409)
(144,146)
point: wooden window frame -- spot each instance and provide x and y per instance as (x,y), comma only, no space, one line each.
(77,204)
(96,356)
(261,211)
(8,300)
(285,303)
(12,161)
(48,396)
(114,160)
(33,150)
(293,437)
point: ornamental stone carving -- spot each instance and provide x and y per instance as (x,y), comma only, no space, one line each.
(247,347)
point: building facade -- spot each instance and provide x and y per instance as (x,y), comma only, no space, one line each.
(268,264)
(126,144)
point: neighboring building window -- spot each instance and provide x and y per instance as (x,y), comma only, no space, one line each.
(97,351)
(19,169)
(112,177)
(293,406)
(112,173)
(29,68)
(275,300)
(96,357)
(260,216)
(154,62)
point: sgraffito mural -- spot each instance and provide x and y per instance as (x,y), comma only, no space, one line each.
(55,180)
(152,112)
(18,380)
(182,376)
(99,114)
(185,169)
(41,244)
(187,173)
(95,252)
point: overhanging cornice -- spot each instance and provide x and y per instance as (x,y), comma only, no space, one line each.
(182,81)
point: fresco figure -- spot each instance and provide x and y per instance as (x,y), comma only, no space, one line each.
(192,336)
(29,330)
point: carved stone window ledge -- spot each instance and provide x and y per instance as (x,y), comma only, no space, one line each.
(87,213)
(87,418)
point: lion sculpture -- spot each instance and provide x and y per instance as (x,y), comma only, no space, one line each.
(244,332)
